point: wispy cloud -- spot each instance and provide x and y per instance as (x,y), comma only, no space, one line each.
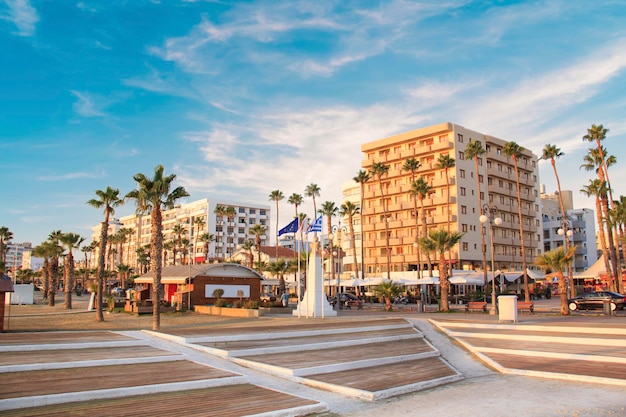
(87,105)
(69,176)
(23,15)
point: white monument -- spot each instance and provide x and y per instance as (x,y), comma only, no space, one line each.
(314,302)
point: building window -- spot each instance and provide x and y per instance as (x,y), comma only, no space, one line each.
(464,228)
(461,155)
(460,137)
(463,191)
(499,151)
(262,212)
(242,210)
(465,246)
(488,148)
(252,211)
(462,173)
(463,209)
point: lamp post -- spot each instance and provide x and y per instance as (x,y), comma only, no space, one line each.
(189,288)
(489,217)
(338,232)
(567,233)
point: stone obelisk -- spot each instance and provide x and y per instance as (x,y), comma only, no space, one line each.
(314,302)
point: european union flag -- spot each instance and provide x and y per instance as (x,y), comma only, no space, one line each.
(316,226)
(290,228)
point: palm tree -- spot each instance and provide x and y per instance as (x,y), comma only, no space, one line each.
(296,199)
(122,272)
(220,211)
(108,199)
(124,234)
(70,241)
(150,197)
(230,214)
(206,239)
(379,170)
(199,224)
(312,190)
(420,189)
(440,241)
(330,210)
(349,210)
(514,151)
(388,290)
(5,237)
(247,246)
(276,196)
(361,178)
(446,162)
(597,189)
(86,249)
(278,269)
(557,260)
(552,153)
(258,230)
(475,151)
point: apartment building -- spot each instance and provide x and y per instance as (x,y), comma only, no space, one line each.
(196,218)
(462,207)
(580,224)
(18,256)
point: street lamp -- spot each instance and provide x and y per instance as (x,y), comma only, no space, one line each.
(567,233)
(489,217)
(338,232)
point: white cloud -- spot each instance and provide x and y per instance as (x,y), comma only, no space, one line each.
(87,105)
(69,176)
(23,15)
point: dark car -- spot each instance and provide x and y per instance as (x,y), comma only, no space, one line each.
(596,300)
(347,301)
(267,297)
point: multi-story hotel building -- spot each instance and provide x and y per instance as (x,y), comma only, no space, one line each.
(228,233)
(498,189)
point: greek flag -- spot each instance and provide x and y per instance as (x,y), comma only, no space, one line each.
(290,228)
(316,226)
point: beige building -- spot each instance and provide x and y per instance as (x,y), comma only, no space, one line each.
(497,179)
(229,234)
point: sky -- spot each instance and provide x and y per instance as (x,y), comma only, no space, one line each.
(240,98)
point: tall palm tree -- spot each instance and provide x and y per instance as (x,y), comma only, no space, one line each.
(247,246)
(5,237)
(379,170)
(552,153)
(413,165)
(108,200)
(278,268)
(515,151)
(440,241)
(86,249)
(349,210)
(230,214)
(70,241)
(361,178)
(206,239)
(276,196)
(179,233)
(199,223)
(296,199)
(330,210)
(258,230)
(557,260)
(125,233)
(220,211)
(475,151)
(122,272)
(151,196)
(420,189)
(446,162)
(597,189)
(312,190)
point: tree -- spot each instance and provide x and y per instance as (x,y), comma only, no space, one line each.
(151,196)
(312,190)
(514,151)
(475,151)
(179,233)
(220,211)
(278,268)
(70,241)
(122,273)
(379,170)
(446,162)
(258,230)
(276,196)
(361,178)
(198,222)
(108,199)
(230,213)
(552,153)
(124,234)
(5,237)
(557,260)
(330,210)
(206,239)
(440,241)
(247,246)
(349,210)
(388,290)
(420,189)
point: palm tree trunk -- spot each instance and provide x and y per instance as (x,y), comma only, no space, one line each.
(565,229)
(382,196)
(424,234)
(101,266)
(443,281)
(483,248)
(156,260)
(605,254)
(521,232)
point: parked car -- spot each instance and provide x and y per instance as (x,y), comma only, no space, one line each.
(596,299)
(267,297)
(118,292)
(347,301)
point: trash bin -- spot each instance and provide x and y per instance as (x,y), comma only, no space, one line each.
(507,308)
(420,306)
(606,307)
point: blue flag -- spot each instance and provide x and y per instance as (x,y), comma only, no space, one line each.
(290,228)
(316,226)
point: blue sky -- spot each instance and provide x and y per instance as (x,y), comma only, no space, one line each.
(239,98)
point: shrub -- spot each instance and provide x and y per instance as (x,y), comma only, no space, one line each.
(251,304)
(220,303)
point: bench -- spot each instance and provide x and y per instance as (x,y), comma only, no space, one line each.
(476,306)
(526,305)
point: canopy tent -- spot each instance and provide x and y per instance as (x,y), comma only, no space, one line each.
(594,271)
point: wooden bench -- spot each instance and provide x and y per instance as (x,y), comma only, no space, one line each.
(526,306)
(476,306)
